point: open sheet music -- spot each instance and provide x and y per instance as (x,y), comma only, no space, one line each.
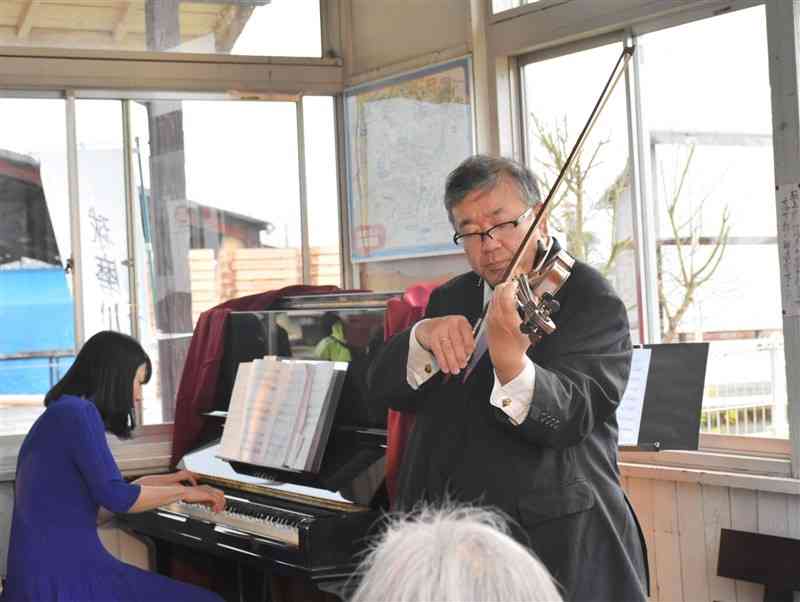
(281,412)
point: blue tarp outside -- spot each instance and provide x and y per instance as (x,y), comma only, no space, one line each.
(36,314)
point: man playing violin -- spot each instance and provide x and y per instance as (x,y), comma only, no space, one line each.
(528,429)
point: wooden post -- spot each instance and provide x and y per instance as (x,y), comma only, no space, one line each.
(169,212)
(783,31)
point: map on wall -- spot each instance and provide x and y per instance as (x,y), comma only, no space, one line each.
(404,136)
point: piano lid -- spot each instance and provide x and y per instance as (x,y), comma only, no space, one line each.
(353,495)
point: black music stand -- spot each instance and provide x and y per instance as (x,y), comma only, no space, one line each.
(673,398)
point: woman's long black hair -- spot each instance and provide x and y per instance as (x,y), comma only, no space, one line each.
(103,372)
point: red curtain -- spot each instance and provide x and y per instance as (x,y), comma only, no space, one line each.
(401,313)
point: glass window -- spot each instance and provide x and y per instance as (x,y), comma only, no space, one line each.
(501,5)
(36,302)
(219,204)
(712,191)
(322,189)
(103,216)
(591,215)
(249,27)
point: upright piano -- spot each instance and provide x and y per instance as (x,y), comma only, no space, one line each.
(312,525)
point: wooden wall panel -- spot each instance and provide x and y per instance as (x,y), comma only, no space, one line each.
(691,530)
(667,541)
(640,492)
(716,512)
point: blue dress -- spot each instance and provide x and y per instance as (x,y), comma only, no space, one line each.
(65,471)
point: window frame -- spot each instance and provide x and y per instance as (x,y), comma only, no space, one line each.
(514,42)
(74,74)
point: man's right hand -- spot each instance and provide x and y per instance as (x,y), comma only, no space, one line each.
(450,340)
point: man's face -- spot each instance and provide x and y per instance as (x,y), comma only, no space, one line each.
(481,210)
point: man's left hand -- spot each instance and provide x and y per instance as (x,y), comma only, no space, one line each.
(507,343)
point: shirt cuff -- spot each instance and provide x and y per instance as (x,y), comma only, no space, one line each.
(514,398)
(421,363)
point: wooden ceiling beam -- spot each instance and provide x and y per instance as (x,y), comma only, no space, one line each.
(123,22)
(25,23)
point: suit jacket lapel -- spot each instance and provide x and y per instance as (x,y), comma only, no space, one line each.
(472,298)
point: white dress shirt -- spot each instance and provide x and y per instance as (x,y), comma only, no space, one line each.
(513,398)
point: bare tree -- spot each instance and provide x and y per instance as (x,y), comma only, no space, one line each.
(573,211)
(694,267)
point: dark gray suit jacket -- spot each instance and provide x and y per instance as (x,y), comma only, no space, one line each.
(556,473)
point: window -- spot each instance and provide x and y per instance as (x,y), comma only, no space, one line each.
(182,204)
(710,184)
(319,129)
(591,214)
(34,247)
(501,5)
(103,217)
(707,199)
(250,27)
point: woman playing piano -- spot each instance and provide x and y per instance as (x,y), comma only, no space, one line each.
(67,482)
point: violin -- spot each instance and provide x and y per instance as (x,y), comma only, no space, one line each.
(536,290)
(536,293)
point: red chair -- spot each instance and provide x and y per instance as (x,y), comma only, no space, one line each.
(401,313)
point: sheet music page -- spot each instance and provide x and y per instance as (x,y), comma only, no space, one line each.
(291,392)
(316,396)
(232,433)
(336,378)
(260,409)
(629,412)
(279,410)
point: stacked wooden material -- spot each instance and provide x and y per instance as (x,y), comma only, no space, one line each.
(203,281)
(239,272)
(326,267)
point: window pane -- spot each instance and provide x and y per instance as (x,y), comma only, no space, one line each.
(322,189)
(104,235)
(501,5)
(36,305)
(591,215)
(260,27)
(220,218)
(711,166)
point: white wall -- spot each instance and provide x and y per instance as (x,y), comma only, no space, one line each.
(384,33)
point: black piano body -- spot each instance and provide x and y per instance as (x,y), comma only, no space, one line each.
(311,525)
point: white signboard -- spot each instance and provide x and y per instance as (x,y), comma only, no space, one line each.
(789,246)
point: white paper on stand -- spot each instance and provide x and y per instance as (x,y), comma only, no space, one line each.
(629,412)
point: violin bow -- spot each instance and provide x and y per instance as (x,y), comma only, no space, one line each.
(616,74)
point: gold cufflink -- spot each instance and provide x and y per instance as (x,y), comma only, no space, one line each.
(428,368)
(506,402)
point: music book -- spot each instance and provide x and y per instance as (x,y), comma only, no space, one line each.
(281,412)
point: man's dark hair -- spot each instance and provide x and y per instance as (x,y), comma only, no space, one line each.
(103,373)
(482,172)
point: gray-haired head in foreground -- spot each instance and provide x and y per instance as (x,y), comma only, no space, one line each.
(452,554)
(482,172)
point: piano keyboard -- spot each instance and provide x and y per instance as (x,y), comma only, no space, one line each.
(277,524)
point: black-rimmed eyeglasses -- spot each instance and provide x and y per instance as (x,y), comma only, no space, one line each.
(497,231)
